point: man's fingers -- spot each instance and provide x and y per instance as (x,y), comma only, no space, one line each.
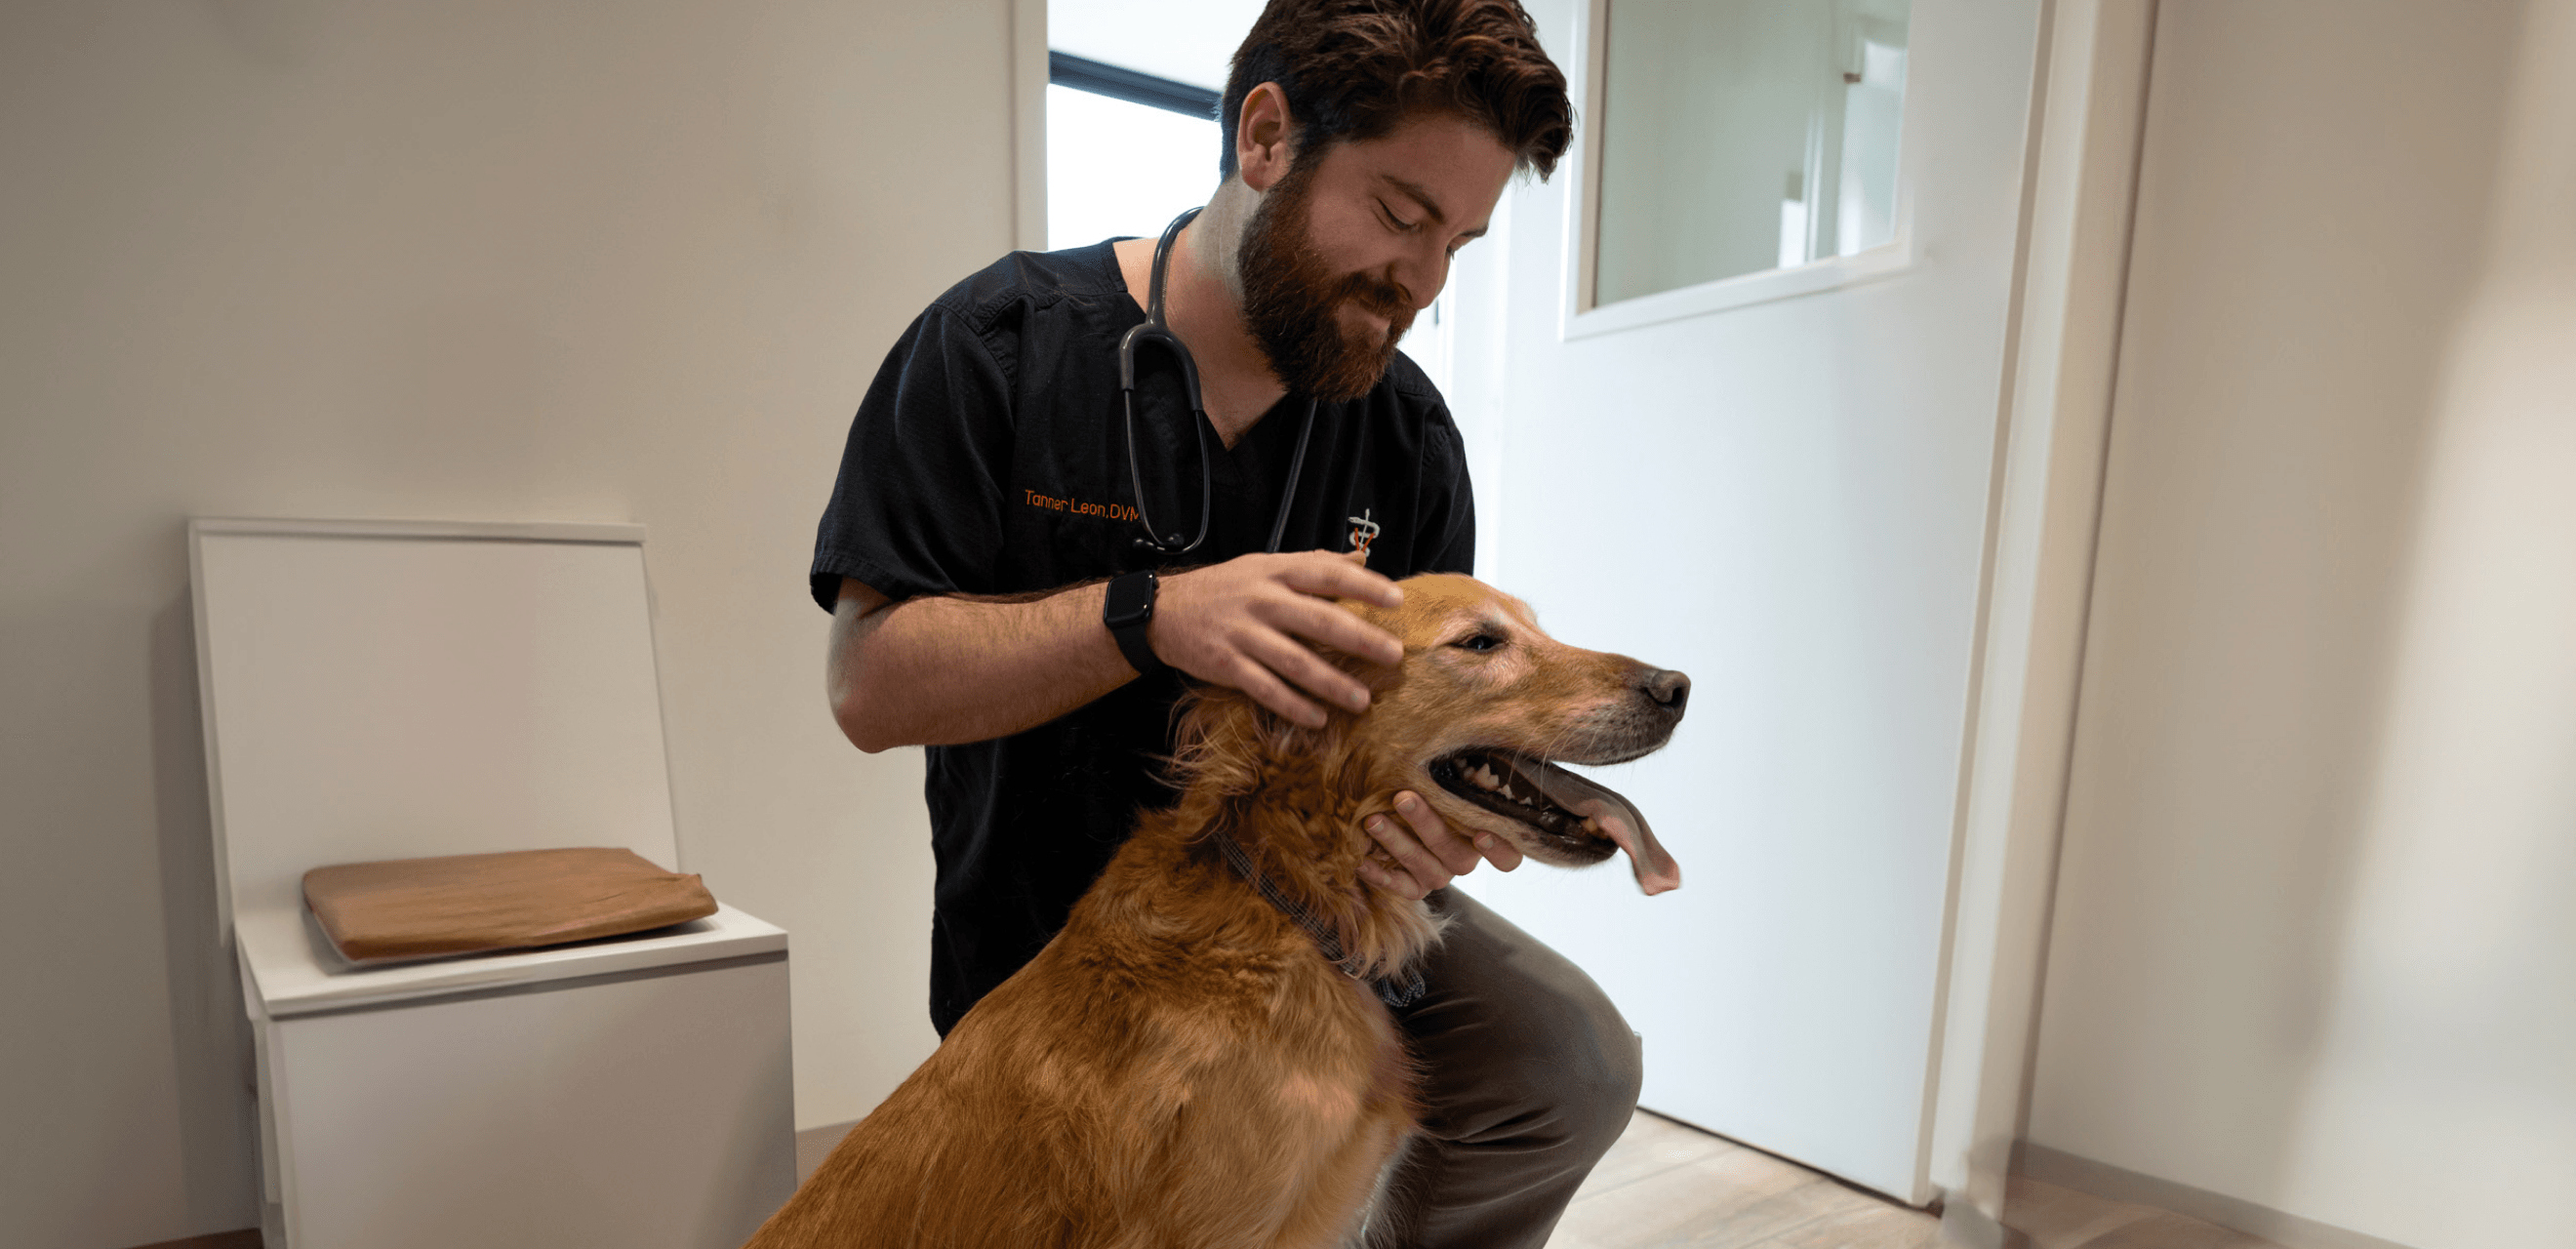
(1378,868)
(1296,664)
(1402,866)
(1318,621)
(1451,850)
(1404,842)
(1330,576)
(1268,690)
(1248,623)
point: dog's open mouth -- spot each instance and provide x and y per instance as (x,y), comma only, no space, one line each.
(1540,794)
(1507,783)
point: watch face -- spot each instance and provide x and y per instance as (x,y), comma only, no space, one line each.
(1131,599)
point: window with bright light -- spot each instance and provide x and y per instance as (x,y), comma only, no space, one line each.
(1119,168)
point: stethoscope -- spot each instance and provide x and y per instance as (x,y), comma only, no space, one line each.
(1155,331)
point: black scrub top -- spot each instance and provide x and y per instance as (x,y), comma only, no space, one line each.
(989,457)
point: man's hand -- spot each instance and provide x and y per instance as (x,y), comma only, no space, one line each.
(1250,622)
(1240,623)
(1412,861)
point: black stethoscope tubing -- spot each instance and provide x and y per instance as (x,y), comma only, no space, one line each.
(1155,331)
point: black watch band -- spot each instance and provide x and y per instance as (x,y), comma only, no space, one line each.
(1127,610)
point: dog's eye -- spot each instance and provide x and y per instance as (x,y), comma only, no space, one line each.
(1480,643)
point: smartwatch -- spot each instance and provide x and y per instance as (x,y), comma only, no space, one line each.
(1127,611)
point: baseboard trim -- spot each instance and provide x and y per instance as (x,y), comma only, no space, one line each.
(2065,1170)
(1964,1224)
(247,1238)
(813,1145)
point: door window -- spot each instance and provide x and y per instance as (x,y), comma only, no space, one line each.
(1744,135)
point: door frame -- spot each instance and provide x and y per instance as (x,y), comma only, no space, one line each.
(2079,197)
(1029,77)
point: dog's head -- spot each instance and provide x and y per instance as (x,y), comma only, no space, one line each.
(1485,706)
(1476,718)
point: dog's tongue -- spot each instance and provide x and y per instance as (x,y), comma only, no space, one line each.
(1656,872)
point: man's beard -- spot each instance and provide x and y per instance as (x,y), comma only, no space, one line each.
(1291,300)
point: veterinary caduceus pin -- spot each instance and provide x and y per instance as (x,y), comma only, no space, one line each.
(1363,530)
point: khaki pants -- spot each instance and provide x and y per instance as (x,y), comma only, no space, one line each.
(1528,1075)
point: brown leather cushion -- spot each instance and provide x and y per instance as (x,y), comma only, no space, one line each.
(467,903)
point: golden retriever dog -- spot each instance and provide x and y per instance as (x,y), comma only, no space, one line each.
(1187,1064)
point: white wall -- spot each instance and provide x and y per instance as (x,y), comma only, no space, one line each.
(484,261)
(2315,934)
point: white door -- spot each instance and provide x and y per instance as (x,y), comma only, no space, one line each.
(1780,484)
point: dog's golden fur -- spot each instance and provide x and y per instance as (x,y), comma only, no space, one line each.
(1181,1066)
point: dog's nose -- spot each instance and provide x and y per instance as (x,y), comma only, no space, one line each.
(1669,689)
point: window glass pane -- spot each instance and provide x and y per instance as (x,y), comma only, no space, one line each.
(1117,168)
(1742,135)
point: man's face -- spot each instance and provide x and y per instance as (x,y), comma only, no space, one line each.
(1357,238)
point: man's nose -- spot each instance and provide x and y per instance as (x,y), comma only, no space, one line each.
(1421,277)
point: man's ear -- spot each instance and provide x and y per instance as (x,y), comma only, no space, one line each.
(1263,133)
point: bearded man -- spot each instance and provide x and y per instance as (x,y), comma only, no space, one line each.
(981,562)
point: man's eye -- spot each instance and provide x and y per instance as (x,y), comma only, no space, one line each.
(1481,643)
(1399,224)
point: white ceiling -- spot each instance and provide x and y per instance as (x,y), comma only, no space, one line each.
(1183,40)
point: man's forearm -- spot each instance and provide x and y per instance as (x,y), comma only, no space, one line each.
(940,670)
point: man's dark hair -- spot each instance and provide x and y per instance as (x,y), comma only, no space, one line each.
(1353,69)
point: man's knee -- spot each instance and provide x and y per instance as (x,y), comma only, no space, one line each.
(1599,1098)
(1518,1043)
